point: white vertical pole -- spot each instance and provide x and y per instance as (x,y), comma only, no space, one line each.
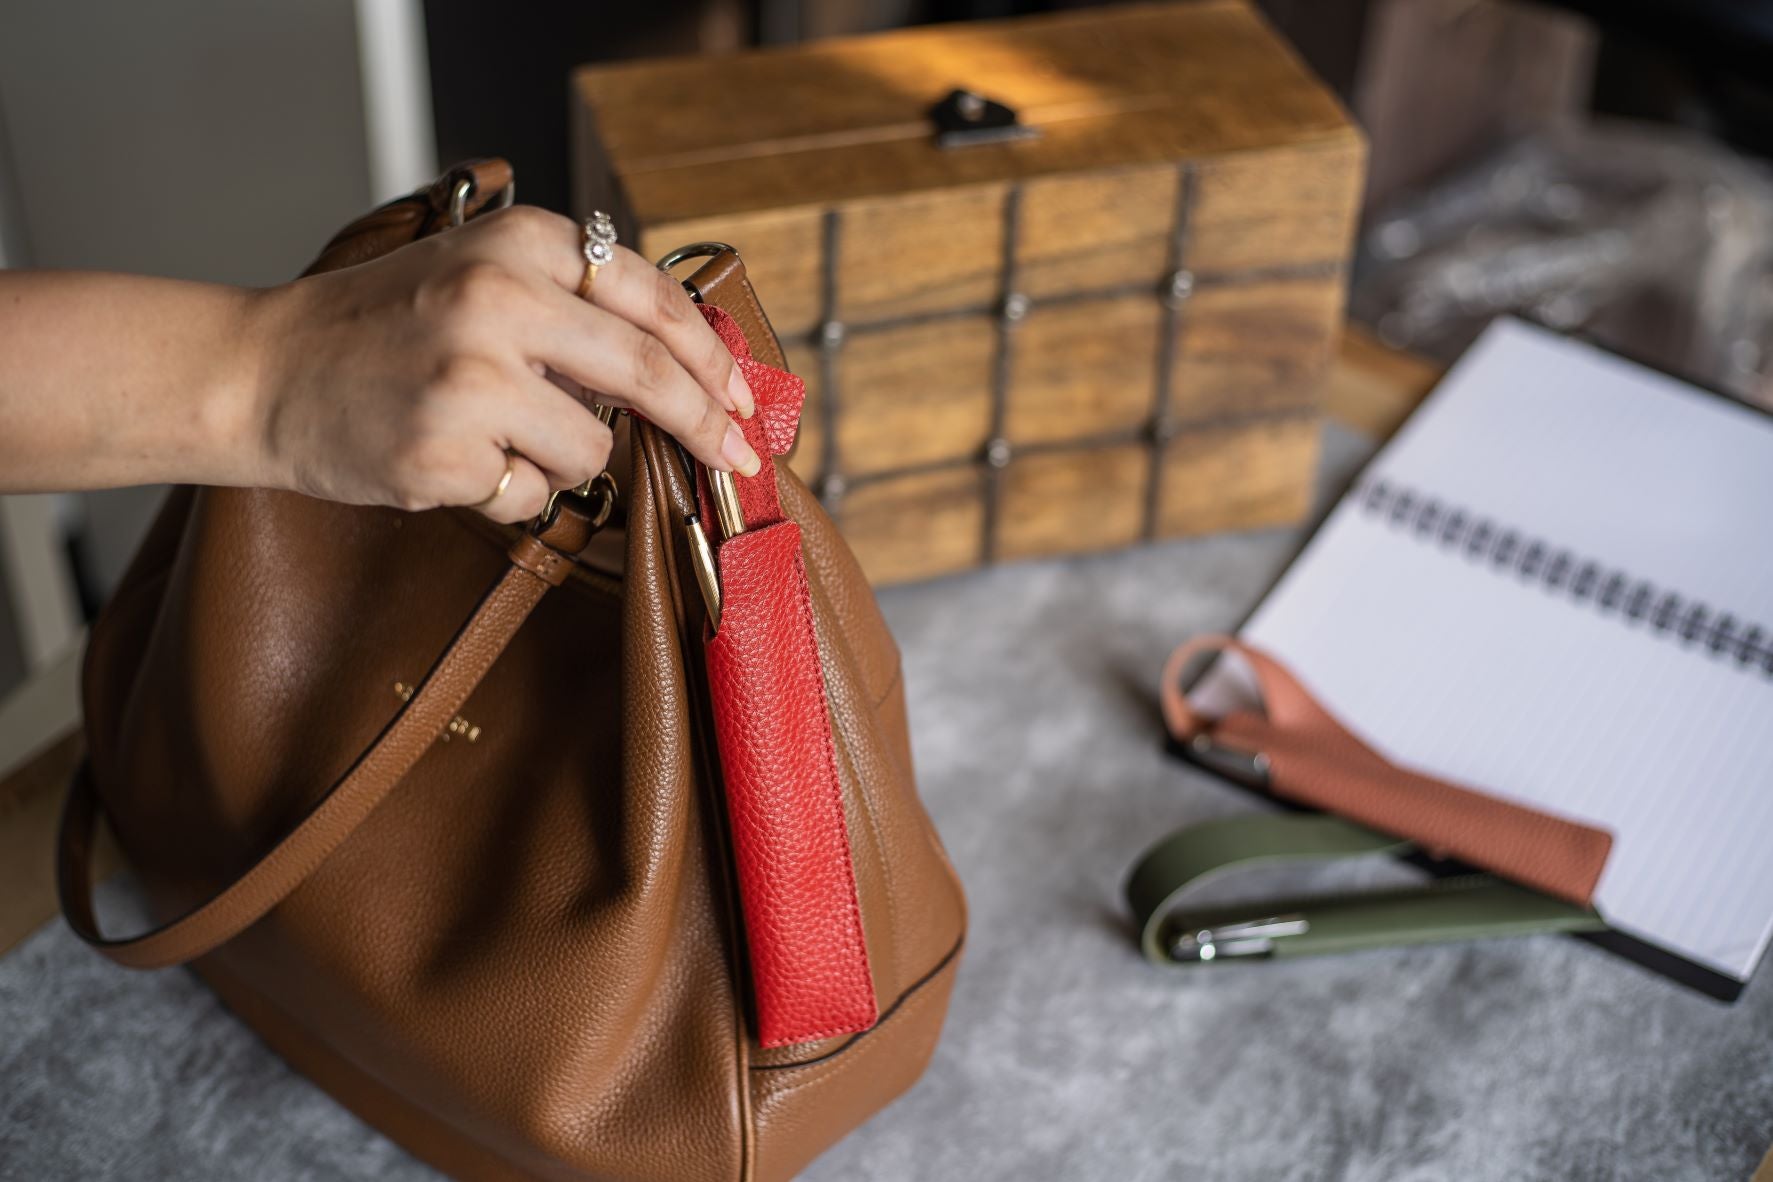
(396,72)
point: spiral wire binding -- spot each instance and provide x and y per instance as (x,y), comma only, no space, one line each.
(1610,591)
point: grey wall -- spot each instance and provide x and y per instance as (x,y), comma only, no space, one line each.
(210,139)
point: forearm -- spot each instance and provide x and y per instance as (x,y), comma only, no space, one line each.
(109,380)
(453,371)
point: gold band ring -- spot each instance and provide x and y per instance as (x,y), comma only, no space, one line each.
(597,237)
(504,482)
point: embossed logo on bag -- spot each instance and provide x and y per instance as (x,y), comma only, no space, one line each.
(458,727)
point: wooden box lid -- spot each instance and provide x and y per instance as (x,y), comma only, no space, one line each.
(841,120)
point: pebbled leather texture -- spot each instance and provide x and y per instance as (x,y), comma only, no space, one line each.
(780,395)
(803,926)
(525,962)
(770,432)
(797,886)
(335,818)
(721,282)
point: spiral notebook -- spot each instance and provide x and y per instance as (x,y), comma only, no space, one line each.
(1556,585)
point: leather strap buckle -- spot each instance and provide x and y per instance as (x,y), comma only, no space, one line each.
(464,189)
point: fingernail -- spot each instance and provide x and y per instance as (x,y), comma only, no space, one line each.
(740,392)
(735,451)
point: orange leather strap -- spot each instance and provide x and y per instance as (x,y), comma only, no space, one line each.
(440,696)
(1312,759)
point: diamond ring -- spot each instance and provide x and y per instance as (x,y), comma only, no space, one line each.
(598,239)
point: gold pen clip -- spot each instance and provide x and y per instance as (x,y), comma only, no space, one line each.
(726,504)
(732,523)
(702,561)
(726,493)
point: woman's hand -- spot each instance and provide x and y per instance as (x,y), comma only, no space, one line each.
(414,379)
(411,380)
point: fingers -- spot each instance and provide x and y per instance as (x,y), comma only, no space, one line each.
(483,418)
(651,300)
(621,364)
(524,495)
(553,430)
(629,287)
(643,345)
(549,243)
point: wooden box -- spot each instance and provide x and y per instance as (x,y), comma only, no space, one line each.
(1116,329)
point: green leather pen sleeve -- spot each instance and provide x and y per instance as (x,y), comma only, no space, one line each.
(1467,907)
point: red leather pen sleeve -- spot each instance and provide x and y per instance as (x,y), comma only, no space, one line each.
(797,886)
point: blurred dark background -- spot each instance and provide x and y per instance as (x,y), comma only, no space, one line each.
(1432,80)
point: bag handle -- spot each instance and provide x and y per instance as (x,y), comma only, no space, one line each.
(348,803)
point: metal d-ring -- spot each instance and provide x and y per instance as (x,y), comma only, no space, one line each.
(600,491)
(695,250)
(464,189)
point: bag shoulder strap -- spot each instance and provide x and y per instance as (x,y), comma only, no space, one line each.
(346,805)
(538,561)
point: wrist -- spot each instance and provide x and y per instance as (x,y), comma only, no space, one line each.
(245,412)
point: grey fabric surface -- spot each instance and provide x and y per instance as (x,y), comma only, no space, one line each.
(1065,1056)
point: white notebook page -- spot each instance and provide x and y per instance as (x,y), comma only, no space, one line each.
(1521,684)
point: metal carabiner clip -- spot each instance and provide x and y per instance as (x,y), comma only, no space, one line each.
(600,491)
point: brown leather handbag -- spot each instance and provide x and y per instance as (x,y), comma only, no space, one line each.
(488,899)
